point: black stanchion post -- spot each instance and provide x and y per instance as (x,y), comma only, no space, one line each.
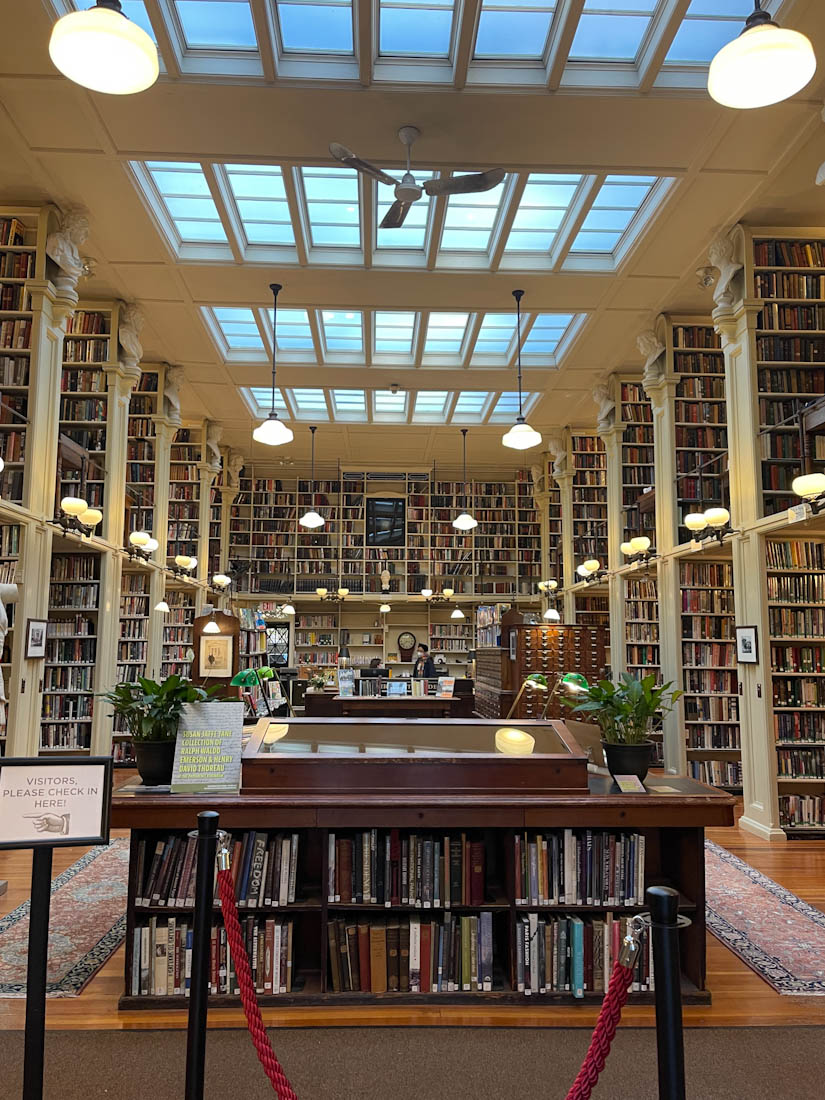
(201,929)
(36,973)
(664,910)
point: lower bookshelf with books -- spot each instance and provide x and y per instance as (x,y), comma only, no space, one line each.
(338,910)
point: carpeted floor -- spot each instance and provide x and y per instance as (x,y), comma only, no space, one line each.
(422,1064)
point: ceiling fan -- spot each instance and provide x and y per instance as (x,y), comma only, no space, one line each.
(407,190)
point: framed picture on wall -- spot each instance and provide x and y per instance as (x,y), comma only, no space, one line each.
(216,655)
(747,645)
(35,638)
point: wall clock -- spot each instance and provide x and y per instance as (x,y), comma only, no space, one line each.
(406,644)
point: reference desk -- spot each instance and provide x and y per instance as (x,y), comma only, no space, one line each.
(347,790)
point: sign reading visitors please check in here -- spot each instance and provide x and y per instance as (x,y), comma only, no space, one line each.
(208,749)
(54,803)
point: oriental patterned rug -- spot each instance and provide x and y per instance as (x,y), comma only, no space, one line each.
(778,935)
(87,925)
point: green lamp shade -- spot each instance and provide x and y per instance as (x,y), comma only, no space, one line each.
(245,678)
(266,673)
(537,678)
(575,681)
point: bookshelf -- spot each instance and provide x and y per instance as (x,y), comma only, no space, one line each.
(450,640)
(589,498)
(361,630)
(796,616)
(184,494)
(456,557)
(240,532)
(554,536)
(11,536)
(317,551)
(132,649)
(789,277)
(496,538)
(141,452)
(488,624)
(700,415)
(418,531)
(709,673)
(637,452)
(178,631)
(252,638)
(528,535)
(273,520)
(215,565)
(71,653)
(90,344)
(317,639)
(593,610)
(642,626)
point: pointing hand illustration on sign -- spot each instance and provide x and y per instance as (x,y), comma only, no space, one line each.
(50,823)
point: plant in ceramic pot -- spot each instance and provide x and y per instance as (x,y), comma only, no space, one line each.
(625,712)
(151,712)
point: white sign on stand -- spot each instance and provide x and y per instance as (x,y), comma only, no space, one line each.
(55,803)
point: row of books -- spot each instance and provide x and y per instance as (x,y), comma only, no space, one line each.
(14,370)
(711,736)
(68,678)
(387,867)
(16,265)
(15,334)
(13,296)
(411,955)
(802,588)
(700,412)
(72,596)
(63,736)
(695,336)
(708,654)
(789,623)
(162,958)
(568,954)
(66,706)
(780,284)
(708,628)
(793,380)
(798,658)
(775,253)
(718,773)
(85,351)
(799,763)
(802,810)
(573,867)
(714,708)
(790,349)
(776,316)
(791,692)
(795,554)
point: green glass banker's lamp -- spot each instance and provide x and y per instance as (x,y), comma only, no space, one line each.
(537,681)
(254,677)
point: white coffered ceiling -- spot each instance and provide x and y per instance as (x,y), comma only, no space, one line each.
(218,181)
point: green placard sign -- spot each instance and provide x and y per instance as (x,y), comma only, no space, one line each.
(208,749)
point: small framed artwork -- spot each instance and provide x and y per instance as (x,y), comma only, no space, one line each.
(216,655)
(747,645)
(35,638)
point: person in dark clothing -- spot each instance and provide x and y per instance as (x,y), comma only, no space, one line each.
(424,666)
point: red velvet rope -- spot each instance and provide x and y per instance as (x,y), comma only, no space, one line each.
(604,1033)
(254,1021)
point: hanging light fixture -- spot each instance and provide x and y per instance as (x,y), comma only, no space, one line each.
(465,521)
(764,65)
(809,486)
(152,545)
(272,431)
(211,626)
(385,609)
(102,49)
(457,614)
(552,615)
(221,580)
(311,518)
(521,437)
(162,606)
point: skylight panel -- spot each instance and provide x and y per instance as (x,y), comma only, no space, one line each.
(332,207)
(445,333)
(307,26)
(469,406)
(294,333)
(349,405)
(545,335)
(258,190)
(470,220)
(611,30)
(262,396)
(216,24)
(343,330)
(506,407)
(415,28)
(188,202)
(238,328)
(394,332)
(514,28)
(614,208)
(496,334)
(429,405)
(309,403)
(707,26)
(413,232)
(543,206)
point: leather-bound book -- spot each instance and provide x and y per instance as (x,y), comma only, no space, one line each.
(364,956)
(404,957)
(352,948)
(378,957)
(393,961)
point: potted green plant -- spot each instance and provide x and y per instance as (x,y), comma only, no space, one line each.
(625,712)
(151,712)
(316,683)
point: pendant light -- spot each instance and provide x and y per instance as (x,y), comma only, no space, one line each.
(273,431)
(764,65)
(521,437)
(311,518)
(466,521)
(102,49)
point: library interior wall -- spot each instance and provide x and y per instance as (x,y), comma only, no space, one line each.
(699,389)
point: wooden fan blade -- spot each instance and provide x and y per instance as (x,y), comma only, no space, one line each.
(466,185)
(394,217)
(346,156)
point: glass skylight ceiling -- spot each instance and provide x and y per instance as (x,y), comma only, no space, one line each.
(546,199)
(186,199)
(495,337)
(608,43)
(546,333)
(470,219)
(445,333)
(415,407)
(614,208)
(332,207)
(343,330)
(394,332)
(238,328)
(260,198)
(294,332)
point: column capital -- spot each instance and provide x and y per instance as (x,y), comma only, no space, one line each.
(229,493)
(121,378)
(208,471)
(165,428)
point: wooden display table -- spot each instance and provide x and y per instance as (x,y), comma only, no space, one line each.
(317,705)
(312,790)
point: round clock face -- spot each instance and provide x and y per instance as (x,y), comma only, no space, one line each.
(406,640)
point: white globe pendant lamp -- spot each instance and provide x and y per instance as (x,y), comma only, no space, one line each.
(521,437)
(272,431)
(466,521)
(765,64)
(312,519)
(102,49)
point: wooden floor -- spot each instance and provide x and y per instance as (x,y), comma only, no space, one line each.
(740,998)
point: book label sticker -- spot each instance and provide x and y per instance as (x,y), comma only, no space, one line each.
(630,784)
(797,513)
(208,749)
(54,804)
